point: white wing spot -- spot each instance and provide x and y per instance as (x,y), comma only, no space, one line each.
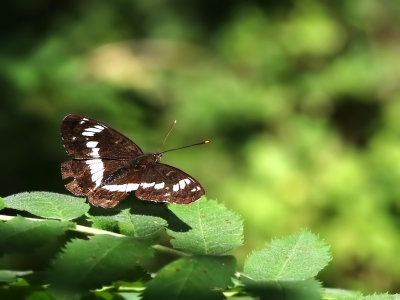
(146,185)
(187,180)
(182,184)
(100,127)
(88,133)
(74,138)
(175,188)
(95,152)
(97,176)
(132,187)
(91,144)
(116,187)
(96,169)
(94,129)
(159,185)
(98,181)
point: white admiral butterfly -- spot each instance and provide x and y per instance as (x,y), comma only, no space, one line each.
(106,165)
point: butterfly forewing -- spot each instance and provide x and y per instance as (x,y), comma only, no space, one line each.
(99,153)
(85,138)
(164,183)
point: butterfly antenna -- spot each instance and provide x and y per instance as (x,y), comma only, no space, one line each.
(169,132)
(201,143)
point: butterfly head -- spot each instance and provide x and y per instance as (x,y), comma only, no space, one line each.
(157,157)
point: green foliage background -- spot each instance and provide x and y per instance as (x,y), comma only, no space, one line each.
(299,98)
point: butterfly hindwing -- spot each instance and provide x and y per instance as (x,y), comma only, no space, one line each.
(106,198)
(88,174)
(85,138)
(117,186)
(164,183)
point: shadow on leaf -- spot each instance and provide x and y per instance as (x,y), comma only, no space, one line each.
(143,208)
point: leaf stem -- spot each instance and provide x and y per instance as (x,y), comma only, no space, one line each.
(170,251)
(79,228)
(91,230)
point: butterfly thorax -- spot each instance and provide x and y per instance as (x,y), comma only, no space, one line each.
(146,159)
(137,163)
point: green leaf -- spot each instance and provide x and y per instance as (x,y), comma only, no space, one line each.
(89,264)
(23,235)
(196,277)
(48,205)
(131,224)
(385,296)
(142,219)
(2,204)
(296,257)
(24,292)
(130,296)
(341,294)
(11,275)
(214,229)
(294,290)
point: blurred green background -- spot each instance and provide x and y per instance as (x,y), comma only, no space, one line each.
(299,98)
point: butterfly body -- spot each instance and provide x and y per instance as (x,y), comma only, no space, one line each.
(106,166)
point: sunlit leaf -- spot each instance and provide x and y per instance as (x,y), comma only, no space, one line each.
(341,294)
(385,296)
(48,205)
(2,204)
(296,257)
(214,229)
(130,296)
(12,275)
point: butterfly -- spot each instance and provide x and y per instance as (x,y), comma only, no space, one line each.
(107,165)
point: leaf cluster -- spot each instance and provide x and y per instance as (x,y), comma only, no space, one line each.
(54,246)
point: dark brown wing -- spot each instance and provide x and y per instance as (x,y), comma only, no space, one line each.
(103,170)
(117,186)
(85,138)
(164,183)
(99,154)
(88,174)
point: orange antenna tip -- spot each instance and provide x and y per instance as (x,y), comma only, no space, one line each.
(206,142)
